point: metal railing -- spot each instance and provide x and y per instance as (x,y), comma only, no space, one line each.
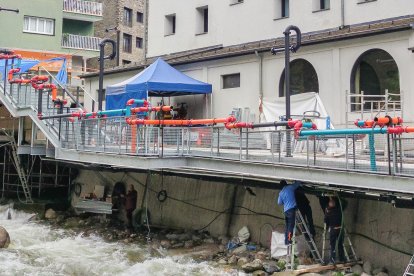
(386,154)
(367,106)
(83,7)
(80,42)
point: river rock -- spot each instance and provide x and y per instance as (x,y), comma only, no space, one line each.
(378,270)
(242,261)
(381,274)
(222,261)
(357,269)
(259,273)
(209,241)
(223,240)
(189,244)
(271,267)
(253,266)
(196,238)
(4,238)
(165,244)
(232,260)
(178,245)
(365,274)
(50,214)
(184,236)
(367,267)
(240,249)
(172,237)
(260,255)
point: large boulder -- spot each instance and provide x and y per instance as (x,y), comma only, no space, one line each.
(50,214)
(367,267)
(4,238)
(253,266)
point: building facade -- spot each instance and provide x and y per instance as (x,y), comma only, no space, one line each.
(349,47)
(51,28)
(124,22)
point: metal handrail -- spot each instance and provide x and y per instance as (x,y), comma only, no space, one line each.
(65,88)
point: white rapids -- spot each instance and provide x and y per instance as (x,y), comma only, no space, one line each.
(37,249)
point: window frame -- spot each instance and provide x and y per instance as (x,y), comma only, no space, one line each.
(140,15)
(170,24)
(281,9)
(141,42)
(223,87)
(203,21)
(124,49)
(46,19)
(124,22)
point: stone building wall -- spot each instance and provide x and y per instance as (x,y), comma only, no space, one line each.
(114,18)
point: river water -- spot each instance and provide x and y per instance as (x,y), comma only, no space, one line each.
(38,249)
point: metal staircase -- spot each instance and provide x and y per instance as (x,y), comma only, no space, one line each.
(409,271)
(20,171)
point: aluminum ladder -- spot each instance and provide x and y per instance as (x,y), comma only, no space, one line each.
(349,250)
(410,268)
(302,228)
(20,171)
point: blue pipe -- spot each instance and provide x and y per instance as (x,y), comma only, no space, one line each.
(356,131)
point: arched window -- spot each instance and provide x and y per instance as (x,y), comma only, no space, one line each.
(374,72)
(303,78)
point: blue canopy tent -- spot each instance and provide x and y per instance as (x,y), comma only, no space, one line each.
(158,80)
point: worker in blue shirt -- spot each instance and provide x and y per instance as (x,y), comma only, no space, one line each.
(287,199)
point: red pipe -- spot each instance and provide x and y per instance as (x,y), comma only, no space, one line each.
(400,130)
(39,79)
(10,56)
(131,121)
(132,101)
(238,125)
(164,108)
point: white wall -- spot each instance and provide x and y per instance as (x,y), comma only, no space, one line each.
(333,63)
(254,20)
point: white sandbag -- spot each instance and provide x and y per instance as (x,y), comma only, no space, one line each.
(244,234)
(277,245)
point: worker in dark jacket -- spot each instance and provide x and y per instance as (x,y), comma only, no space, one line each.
(287,199)
(333,220)
(130,204)
(305,209)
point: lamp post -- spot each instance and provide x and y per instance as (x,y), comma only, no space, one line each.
(102,59)
(287,49)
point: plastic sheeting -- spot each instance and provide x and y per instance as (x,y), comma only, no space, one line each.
(274,109)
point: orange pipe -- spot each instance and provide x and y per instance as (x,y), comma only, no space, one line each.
(151,109)
(400,130)
(388,120)
(12,72)
(181,122)
(133,138)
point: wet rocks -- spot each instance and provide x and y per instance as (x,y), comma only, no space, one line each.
(357,269)
(50,214)
(4,238)
(233,260)
(242,261)
(253,266)
(270,267)
(367,267)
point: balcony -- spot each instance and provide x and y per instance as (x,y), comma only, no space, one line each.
(82,10)
(89,43)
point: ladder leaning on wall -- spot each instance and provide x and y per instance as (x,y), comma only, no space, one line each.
(410,268)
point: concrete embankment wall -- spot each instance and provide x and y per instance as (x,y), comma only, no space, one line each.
(222,209)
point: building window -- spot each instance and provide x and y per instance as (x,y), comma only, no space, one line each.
(202,20)
(282,9)
(126,62)
(127,43)
(320,5)
(139,42)
(235,2)
(303,78)
(127,17)
(39,25)
(140,17)
(230,81)
(170,24)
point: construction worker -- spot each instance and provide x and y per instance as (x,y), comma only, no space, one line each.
(287,199)
(333,221)
(305,209)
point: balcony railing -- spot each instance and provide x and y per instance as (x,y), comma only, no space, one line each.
(83,7)
(80,42)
